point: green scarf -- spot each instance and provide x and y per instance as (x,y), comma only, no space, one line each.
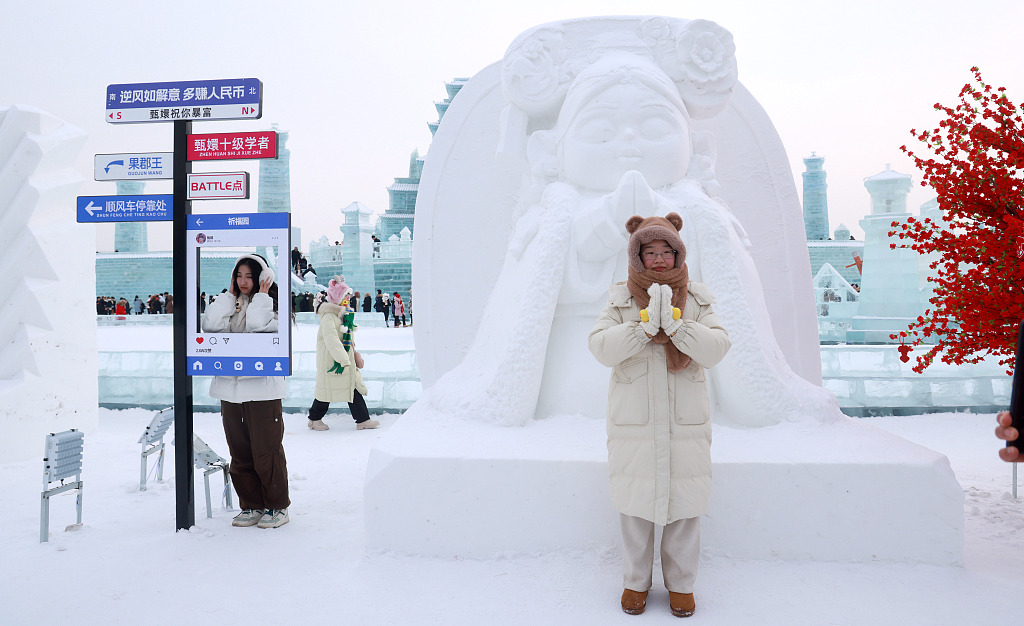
(348,324)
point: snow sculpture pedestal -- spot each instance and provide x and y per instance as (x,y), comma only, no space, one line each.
(836,492)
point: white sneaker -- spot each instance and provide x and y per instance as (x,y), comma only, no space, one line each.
(248,517)
(317,425)
(367,424)
(274,518)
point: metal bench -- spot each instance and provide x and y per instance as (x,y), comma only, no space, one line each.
(204,458)
(152,441)
(62,459)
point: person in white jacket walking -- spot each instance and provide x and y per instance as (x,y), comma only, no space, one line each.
(251,405)
(337,361)
(658,333)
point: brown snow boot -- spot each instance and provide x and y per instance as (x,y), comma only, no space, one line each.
(682,604)
(634,602)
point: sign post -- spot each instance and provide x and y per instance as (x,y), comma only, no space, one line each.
(184,472)
(181,103)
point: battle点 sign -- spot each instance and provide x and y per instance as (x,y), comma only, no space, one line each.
(220,186)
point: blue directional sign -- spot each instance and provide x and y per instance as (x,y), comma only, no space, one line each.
(138,208)
(220,99)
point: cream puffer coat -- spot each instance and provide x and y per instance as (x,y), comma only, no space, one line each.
(228,314)
(659,427)
(331,386)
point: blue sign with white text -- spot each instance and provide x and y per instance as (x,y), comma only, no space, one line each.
(219,99)
(134,208)
(222,221)
(239,366)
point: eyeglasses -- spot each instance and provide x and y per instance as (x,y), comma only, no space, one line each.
(650,255)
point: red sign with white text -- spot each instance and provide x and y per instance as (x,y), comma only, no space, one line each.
(217,146)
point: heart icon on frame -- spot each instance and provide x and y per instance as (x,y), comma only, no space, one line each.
(199,340)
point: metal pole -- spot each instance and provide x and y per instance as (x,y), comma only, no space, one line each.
(184,472)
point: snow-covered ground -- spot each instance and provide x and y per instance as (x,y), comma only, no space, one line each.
(126,564)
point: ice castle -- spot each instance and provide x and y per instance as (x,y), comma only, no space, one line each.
(392,255)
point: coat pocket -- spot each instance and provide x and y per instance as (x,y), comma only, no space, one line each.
(629,395)
(691,404)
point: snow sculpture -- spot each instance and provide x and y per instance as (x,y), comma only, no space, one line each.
(600,123)
(47,284)
(513,259)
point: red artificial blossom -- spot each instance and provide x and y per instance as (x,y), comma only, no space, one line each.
(977,173)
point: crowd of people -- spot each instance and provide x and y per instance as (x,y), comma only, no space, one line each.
(154,304)
(301,265)
(392,306)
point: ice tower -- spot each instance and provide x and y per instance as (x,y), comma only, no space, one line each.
(130,236)
(401,211)
(815,199)
(842,251)
(452,87)
(132,269)
(890,296)
(357,248)
(275,193)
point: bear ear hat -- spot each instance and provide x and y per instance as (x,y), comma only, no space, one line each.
(635,221)
(675,220)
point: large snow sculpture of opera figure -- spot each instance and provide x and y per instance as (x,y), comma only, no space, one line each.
(599,121)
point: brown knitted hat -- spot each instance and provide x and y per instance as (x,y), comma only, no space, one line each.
(645,230)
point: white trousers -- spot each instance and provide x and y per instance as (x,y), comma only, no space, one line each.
(680,553)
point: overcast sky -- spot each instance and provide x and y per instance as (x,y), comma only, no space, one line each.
(354,82)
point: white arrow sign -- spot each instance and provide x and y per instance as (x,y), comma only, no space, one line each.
(90,207)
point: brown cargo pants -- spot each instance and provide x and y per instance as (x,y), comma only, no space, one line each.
(255,432)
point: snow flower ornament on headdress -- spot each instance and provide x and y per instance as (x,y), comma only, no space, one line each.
(707,57)
(535,76)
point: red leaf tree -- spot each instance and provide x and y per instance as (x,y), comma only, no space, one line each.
(976,170)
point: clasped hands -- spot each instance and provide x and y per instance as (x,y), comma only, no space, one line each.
(660,314)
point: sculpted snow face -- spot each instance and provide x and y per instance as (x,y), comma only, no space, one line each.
(626,128)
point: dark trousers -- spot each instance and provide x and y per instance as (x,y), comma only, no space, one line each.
(396,319)
(259,471)
(386,313)
(358,408)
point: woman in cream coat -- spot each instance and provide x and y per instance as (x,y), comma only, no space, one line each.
(337,362)
(658,333)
